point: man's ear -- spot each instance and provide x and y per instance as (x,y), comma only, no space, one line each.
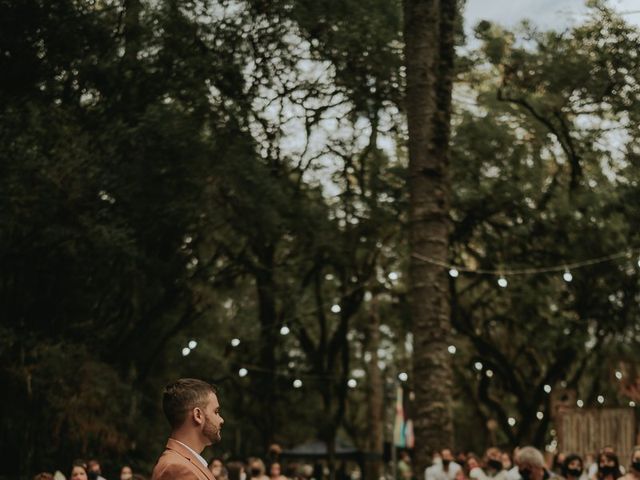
(198,415)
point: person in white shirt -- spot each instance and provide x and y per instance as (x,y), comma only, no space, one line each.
(513,473)
(493,468)
(445,469)
(475,471)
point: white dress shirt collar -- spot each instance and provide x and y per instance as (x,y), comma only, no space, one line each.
(198,456)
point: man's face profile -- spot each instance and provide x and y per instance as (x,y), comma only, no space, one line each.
(212,426)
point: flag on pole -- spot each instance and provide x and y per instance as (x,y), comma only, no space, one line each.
(399,423)
(403,435)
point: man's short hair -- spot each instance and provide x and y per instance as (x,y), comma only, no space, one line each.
(183,395)
(530,456)
(492,451)
(43,476)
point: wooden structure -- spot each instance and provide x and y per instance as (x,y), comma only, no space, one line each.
(587,430)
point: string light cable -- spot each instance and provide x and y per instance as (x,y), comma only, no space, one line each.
(566,267)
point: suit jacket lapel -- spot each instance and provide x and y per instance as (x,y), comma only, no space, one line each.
(186,453)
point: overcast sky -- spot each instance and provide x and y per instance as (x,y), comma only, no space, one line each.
(556,14)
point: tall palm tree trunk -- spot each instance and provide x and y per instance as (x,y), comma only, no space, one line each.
(429,53)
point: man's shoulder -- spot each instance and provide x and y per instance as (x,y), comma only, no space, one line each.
(172,465)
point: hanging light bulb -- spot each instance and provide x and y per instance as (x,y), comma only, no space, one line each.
(567,276)
(502,282)
(453,272)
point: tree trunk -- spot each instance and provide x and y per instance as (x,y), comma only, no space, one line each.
(375,396)
(428,31)
(267,315)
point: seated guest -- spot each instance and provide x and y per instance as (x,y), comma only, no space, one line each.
(573,468)
(43,476)
(608,466)
(634,470)
(79,471)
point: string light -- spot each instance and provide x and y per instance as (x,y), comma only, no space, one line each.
(632,403)
(531,270)
(454,271)
(539,415)
(193,344)
(352,383)
(580,403)
(511,421)
(186,351)
(600,399)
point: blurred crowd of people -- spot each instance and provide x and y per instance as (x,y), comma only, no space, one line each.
(253,468)
(91,470)
(527,463)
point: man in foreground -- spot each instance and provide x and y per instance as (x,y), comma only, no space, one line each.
(192,409)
